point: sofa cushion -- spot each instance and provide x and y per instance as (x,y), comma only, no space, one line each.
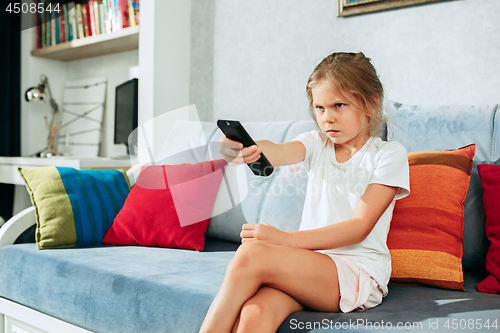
(169,206)
(133,289)
(116,288)
(490,180)
(410,309)
(425,238)
(429,128)
(74,207)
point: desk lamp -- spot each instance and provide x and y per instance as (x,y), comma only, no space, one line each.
(40,93)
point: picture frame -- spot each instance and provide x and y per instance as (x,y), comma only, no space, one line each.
(354,7)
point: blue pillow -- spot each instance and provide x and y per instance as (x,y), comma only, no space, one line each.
(74,207)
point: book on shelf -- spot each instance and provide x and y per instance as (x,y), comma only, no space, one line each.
(63,22)
(131,14)
(66,23)
(71,22)
(62,32)
(97,20)
(100,10)
(124,13)
(39,32)
(53,40)
(57,25)
(79,21)
(116,19)
(86,20)
(92,27)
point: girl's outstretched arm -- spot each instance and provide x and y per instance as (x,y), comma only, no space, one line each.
(372,205)
(287,153)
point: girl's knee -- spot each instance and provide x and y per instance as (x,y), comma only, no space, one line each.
(247,257)
(254,316)
(252,248)
(253,309)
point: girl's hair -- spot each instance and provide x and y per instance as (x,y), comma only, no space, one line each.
(353,74)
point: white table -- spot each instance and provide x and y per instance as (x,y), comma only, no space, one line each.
(10,175)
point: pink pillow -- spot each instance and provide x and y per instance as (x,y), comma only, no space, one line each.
(169,206)
(490,179)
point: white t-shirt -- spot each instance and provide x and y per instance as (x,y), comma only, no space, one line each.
(334,189)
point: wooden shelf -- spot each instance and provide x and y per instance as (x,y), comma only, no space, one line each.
(123,40)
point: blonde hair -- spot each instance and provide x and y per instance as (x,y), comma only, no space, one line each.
(353,74)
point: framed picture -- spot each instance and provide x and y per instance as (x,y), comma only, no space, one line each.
(353,7)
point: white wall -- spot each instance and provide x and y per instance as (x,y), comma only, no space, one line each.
(164,61)
(202,57)
(164,56)
(264,51)
(440,53)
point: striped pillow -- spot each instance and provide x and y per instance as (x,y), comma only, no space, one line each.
(426,235)
(74,207)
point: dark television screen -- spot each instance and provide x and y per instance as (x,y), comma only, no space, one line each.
(126,114)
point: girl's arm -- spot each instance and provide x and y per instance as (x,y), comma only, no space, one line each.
(287,153)
(372,205)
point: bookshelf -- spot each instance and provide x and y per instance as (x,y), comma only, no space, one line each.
(123,40)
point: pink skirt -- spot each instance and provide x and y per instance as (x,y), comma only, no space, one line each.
(358,290)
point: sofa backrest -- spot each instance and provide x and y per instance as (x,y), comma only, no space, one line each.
(278,199)
(429,128)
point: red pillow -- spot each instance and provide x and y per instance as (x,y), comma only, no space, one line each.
(490,180)
(169,206)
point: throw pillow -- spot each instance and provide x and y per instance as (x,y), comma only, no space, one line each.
(169,206)
(426,234)
(74,207)
(490,180)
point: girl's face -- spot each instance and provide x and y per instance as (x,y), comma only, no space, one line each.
(343,122)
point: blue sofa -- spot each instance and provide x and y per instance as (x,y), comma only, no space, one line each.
(140,289)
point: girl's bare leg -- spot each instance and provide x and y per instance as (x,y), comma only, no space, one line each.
(265,311)
(307,276)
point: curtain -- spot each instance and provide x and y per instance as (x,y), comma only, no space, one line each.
(10,98)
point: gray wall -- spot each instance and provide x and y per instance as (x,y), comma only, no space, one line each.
(251,59)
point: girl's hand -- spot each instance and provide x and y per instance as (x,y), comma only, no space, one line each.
(234,153)
(264,233)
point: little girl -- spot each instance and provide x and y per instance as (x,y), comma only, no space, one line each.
(338,260)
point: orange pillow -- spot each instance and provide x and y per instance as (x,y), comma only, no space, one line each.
(426,235)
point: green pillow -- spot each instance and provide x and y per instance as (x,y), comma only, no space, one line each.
(74,207)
